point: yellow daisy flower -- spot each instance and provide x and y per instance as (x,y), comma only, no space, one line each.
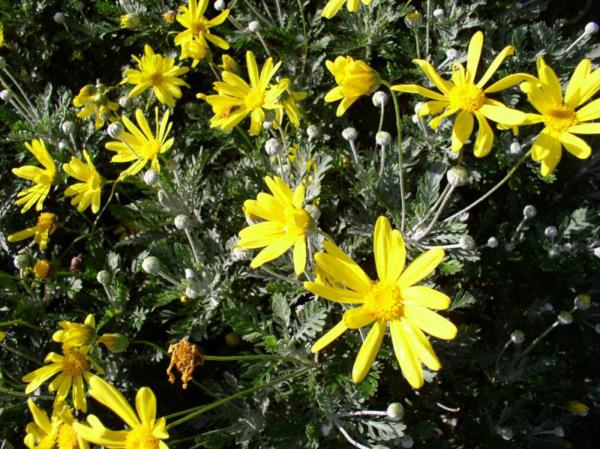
(94,101)
(464,96)
(238,99)
(195,48)
(41,269)
(88,191)
(286,225)
(563,117)
(140,145)
(76,335)
(70,369)
(354,79)
(43,178)
(198,26)
(333,6)
(144,431)
(54,433)
(393,299)
(45,226)
(159,73)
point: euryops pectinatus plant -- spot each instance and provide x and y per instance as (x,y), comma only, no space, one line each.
(299,224)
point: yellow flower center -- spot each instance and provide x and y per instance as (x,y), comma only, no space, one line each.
(467,97)
(297,221)
(67,437)
(46,221)
(254,100)
(384,301)
(48,442)
(560,118)
(198,25)
(152,148)
(156,78)
(75,363)
(141,438)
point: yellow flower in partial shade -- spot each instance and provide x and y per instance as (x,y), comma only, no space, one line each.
(464,96)
(289,102)
(198,26)
(70,369)
(140,145)
(229,64)
(87,192)
(169,16)
(195,48)
(54,433)
(130,20)
(41,269)
(45,226)
(286,225)
(159,73)
(563,117)
(236,99)
(354,79)
(43,178)
(94,101)
(393,298)
(144,431)
(76,335)
(333,6)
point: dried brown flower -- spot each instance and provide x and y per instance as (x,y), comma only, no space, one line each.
(185,357)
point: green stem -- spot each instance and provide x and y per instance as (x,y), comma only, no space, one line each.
(197,411)
(149,343)
(427,27)
(19,353)
(245,137)
(305,41)
(22,323)
(400,162)
(112,193)
(13,393)
(492,190)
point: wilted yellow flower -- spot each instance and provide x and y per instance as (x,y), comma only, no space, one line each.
(393,299)
(159,73)
(463,96)
(130,20)
(185,357)
(45,226)
(198,26)
(94,100)
(52,433)
(43,178)
(354,79)
(333,6)
(286,225)
(41,269)
(140,145)
(76,335)
(70,369)
(236,99)
(88,191)
(144,430)
(563,117)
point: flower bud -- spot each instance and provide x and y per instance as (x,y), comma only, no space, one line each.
(350,134)
(254,26)
(267,124)
(509,247)
(457,176)
(124,101)
(413,19)
(130,20)
(418,107)
(578,408)
(582,302)
(379,99)
(326,429)
(182,222)
(104,277)
(151,265)
(151,177)
(559,432)
(115,343)
(232,339)
(383,138)
(466,242)
(438,13)
(567,247)
(219,5)
(115,130)
(272,147)
(312,132)
(529,211)
(5,94)
(59,18)
(554,252)
(551,232)
(515,148)
(597,328)
(22,261)
(492,242)
(395,411)
(517,337)
(169,16)
(505,433)
(565,318)
(415,118)
(451,54)
(591,28)
(68,127)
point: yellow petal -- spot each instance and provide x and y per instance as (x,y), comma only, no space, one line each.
(112,398)
(543,145)
(474,54)
(273,251)
(334,294)
(416,89)
(425,296)
(585,128)
(260,234)
(145,404)
(331,8)
(442,85)
(463,127)
(299,255)
(368,352)
(576,145)
(507,51)
(430,322)
(357,318)
(252,69)
(343,272)
(381,246)
(589,112)
(509,81)
(503,115)
(485,137)
(550,162)
(421,345)
(421,267)
(331,335)
(407,358)
(550,82)
(577,83)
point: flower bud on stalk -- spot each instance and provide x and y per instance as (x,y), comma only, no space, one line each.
(457,176)
(104,277)
(151,265)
